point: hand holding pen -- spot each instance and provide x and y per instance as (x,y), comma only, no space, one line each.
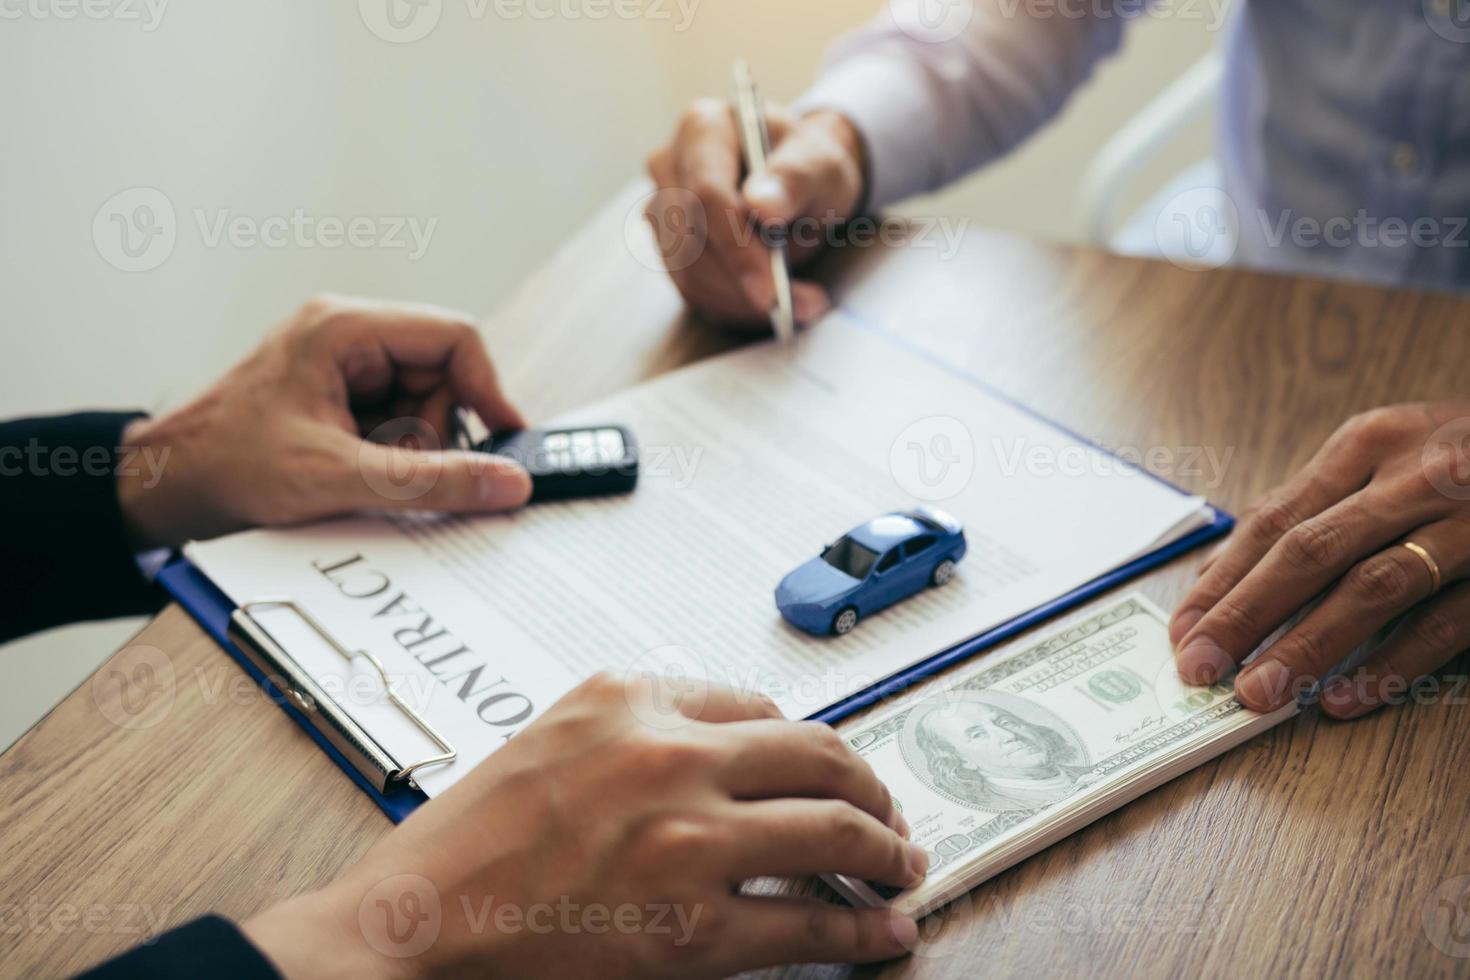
(813,181)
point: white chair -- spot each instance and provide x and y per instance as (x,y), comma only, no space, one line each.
(1190,220)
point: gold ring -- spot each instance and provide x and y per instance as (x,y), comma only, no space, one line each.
(1429,563)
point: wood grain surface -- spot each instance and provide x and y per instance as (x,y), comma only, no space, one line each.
(1316,849)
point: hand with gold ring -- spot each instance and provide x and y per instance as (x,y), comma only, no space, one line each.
(1378,526)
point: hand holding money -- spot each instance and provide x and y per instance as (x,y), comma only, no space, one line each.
(1019,751)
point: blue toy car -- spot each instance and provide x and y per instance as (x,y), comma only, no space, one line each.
(871,567)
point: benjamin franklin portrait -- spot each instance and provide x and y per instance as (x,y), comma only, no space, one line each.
(993,751)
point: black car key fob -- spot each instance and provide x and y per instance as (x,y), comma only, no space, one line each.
(569,463)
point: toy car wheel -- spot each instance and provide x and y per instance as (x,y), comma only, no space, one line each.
(845,621)
(943,572)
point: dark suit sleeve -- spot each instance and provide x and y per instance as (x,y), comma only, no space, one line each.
(62,543)
(209,947)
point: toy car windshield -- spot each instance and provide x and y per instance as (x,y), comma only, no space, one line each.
(851,558)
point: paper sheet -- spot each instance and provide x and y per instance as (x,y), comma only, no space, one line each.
(750,464)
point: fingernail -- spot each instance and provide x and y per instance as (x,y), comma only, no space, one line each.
(905,931)
(1184,621)
(765,192)
(1263,685)
(811,307)
(902,826)
(758,290)
(1339,695)
(1203,662)
(918,862)
(1346,699)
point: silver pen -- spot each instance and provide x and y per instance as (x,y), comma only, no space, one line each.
(755,138)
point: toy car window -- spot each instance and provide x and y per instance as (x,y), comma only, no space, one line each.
(919,544)
(889,560)
(850,557)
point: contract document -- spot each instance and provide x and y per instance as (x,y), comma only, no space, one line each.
(750,464)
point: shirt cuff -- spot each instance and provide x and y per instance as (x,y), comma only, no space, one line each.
(208,947)
(884,97)
(66,526)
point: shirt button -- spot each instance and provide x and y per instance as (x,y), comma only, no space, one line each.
(1404,158)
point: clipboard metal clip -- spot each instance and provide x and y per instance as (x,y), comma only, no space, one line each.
(376,764)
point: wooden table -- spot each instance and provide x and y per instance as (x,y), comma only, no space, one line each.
(1314,849)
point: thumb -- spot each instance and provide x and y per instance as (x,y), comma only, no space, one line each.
(391,477)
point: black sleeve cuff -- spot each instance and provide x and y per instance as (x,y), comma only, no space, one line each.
(62,539)
(209,947)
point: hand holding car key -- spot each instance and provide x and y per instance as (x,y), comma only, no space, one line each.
(565,464)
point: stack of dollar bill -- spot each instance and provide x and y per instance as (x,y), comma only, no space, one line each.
(1024,748)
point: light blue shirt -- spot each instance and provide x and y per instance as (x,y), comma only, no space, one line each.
(1344,138)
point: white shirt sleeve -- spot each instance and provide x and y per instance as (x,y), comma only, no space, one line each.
(936,99)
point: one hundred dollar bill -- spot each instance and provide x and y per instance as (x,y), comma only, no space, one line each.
(1023,749)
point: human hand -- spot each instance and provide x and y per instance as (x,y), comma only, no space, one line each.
(813,183)
(613,808)
(1385,477)
(280,438)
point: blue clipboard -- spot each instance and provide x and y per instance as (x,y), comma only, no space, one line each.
(212,608)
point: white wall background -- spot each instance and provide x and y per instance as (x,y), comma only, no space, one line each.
(507,131)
